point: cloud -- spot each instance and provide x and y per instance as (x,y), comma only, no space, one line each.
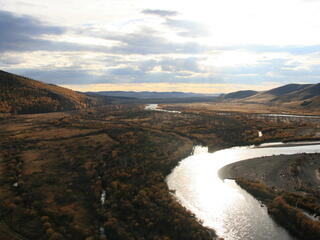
(293,49)
(128,71)
(173,71)
(7,60)
(160,13)
(20,32)
(180,66)
(68,75)
(148,49)
(188,28)
(189,64)
(21,26)
(149,71)
(146,41)
(279,70)
(24,33)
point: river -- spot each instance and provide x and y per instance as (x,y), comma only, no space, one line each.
(155,107)
(223,205)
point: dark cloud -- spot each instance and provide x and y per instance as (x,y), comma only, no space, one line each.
(69,75)
(177,70)
(180,64)
(188,28)
(160,13)
(21,26)
(23,33)
(30,44)
(126,72)
(20,32)
(147,41)
(174,70)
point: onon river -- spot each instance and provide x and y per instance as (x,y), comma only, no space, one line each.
(224,206)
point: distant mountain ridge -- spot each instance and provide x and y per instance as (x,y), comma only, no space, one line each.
(148,94)
(23,95)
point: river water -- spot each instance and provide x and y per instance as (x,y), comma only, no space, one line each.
(155,107)
(223,205)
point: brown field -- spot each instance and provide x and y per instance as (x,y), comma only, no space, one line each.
(245,107)
(55,166)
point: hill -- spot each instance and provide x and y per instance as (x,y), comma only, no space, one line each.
(287,89)
(240,94)
(23,95)
(304,96)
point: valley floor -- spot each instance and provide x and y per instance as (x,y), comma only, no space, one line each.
(54,168)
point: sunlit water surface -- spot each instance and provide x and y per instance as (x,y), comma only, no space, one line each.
(224,206)
(155,107)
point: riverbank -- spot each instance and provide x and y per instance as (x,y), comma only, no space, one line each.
(298,172)
(298,213)
(288,185)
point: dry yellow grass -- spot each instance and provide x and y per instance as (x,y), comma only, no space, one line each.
(245,108)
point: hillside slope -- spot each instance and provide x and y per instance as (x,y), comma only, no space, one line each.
(23,95)
(304,96)
(306,93)
(240,94)
(287,89)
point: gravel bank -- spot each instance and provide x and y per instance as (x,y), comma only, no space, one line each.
(287,172)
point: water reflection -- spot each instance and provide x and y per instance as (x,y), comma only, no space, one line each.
(155,107)
(103,197)
(224,206)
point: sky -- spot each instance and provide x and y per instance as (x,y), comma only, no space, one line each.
(204,46)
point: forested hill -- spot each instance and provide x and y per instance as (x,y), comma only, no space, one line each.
(23,95)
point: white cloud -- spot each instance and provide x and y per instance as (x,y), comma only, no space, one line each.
(268,22)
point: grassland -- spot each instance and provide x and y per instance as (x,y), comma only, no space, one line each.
(245,107)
